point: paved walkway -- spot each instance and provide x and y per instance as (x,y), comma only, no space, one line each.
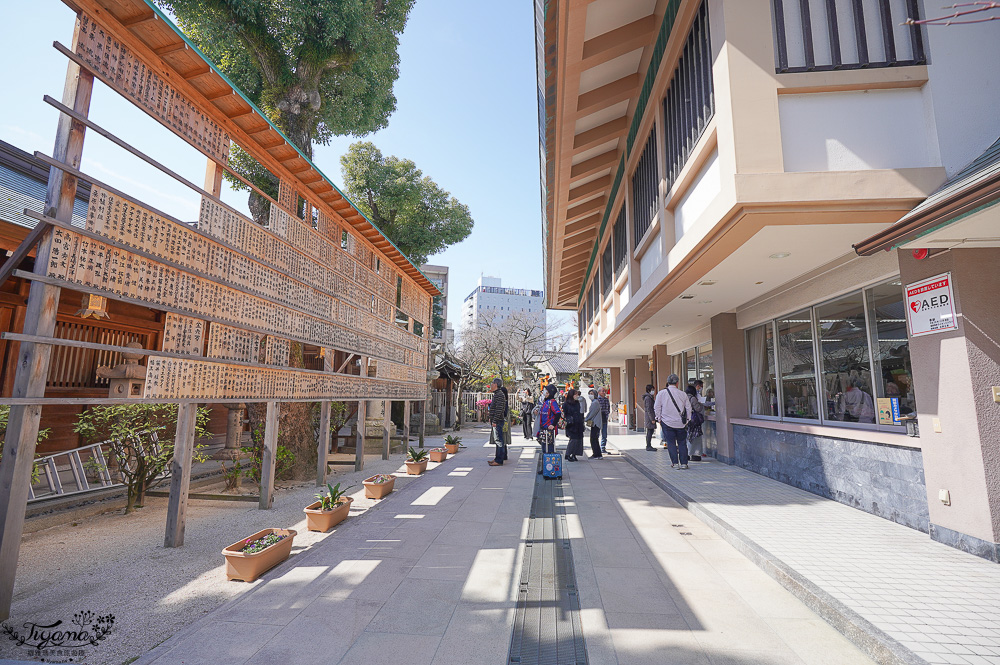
(430,575)
(902,596)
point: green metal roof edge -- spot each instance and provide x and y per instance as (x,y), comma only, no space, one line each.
(956,218)
(236,89)
(666,27)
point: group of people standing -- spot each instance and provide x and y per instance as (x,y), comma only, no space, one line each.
(543,420)
(678,413)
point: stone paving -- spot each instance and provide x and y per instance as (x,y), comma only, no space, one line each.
(430,576)
(902,596)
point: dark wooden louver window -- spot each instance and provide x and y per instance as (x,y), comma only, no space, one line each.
(620,240)
(645,199)
(606,271)
(846,34)
(690,101)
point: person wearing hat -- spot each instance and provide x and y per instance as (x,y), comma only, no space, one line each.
(673,411)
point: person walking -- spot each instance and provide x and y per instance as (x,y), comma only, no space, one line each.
(548,420)
(602,396)
(649,406)
(697,409)
(593,417)
(574,425)
(527,407)
(498,420)
(673,411)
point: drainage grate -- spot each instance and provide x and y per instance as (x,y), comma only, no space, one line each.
(547,627)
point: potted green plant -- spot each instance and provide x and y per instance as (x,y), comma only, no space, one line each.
(439,454)
(379,485)
(250,558)
(330,510)
(451,443)
(416,462)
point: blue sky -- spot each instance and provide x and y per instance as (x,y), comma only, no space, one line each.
(466,114)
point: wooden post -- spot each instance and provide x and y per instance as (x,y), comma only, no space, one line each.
(40,319)
(406,424)
(269,456)
(180,474)
(386,424)
(323,442)
(359,452)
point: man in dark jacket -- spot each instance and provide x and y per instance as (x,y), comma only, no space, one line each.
(498,418)
(648,405)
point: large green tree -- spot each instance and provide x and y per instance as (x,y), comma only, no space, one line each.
(317,68)
(407,206)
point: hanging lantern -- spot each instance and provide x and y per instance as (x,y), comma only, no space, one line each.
(94,307)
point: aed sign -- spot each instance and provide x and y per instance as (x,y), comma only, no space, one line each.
(930,306)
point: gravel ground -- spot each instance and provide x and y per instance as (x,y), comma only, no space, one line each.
(117,564)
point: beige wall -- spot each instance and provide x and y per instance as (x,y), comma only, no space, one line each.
(953,375)
(729,359)
(846,274)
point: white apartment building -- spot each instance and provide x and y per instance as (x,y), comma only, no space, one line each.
(438,275)
(491,301)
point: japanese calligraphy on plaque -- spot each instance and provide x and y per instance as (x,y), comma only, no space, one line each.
(236,294)
(148,90)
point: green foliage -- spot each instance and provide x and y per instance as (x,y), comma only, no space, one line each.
(415,455)
(452,440)
(140,439)
(283,464)
(333,496)
(316,68)
(408,207)
(232,474)
(437,316)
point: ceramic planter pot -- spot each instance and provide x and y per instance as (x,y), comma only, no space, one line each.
(416,468)
(324,520)
(439,456)
(248,567)
(452,448)
(378,490)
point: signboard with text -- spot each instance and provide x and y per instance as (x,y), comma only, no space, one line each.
(930,306)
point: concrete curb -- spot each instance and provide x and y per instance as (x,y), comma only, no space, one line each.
(874,642)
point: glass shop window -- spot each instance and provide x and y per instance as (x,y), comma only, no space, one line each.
(846,369)
(798,366)
(763,371)
(893,374)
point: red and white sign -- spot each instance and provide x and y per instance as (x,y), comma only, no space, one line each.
(930,306)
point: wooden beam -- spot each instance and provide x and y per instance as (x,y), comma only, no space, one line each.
(141,18)
(359,451)
(601,134)
(406,424)
(607,95)
(589,189)
(582,225)
(386,423)
(240,114)
(195,73)
(22,251)
(593,165)
(323,441)
(586,209)
(180,474)
(269,456)
(32,360)
(219,95)
(172,48)
(619,41)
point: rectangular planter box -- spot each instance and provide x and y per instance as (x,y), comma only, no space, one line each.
(248,567)
(452,449)
(324,520)
(378,490)
(416,468)
(439,456)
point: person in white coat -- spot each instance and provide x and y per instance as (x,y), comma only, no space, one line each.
(673,411)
